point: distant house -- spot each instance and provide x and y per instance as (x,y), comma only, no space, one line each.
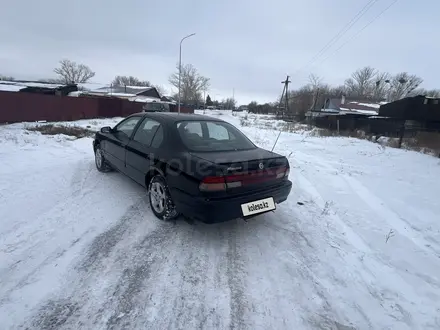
(419,108)
(168,99)
(345,106)
(133,93)
(39,87)
(351,106)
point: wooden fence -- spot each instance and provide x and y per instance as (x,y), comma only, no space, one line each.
(29,107)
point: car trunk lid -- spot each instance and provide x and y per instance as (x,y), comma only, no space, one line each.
(245,170)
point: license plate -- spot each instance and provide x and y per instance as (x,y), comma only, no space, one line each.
(259,206)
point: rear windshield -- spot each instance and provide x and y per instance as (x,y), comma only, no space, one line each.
(212,136)
(156,106)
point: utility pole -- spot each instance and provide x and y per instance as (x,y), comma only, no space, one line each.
(180,65)
(233,97)
(286,90)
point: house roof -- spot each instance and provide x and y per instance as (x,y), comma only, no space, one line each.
(132,90)
(173,117)
(146,99)
(36,87)
(17,85)
(9,88)
(356,106)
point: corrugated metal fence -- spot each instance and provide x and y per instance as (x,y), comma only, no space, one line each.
(27,107)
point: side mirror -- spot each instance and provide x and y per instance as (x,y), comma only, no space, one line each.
(106,129)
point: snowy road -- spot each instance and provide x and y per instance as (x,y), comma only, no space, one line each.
(81,250)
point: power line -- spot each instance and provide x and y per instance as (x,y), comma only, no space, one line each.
(360,31)
(341,33)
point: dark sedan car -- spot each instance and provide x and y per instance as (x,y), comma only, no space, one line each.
(198,166)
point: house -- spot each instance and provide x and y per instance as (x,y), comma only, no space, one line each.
(38,87)
(418,108)
(169,99)
(133,93)
(348,114)
(344,105)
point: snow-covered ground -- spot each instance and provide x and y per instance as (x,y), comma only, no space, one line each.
(356,245)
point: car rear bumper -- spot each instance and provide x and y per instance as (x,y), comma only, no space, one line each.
(228,208)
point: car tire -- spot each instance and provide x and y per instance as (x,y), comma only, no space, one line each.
(100,162)
(160,199)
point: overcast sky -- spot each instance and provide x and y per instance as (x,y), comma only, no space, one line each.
(246,45)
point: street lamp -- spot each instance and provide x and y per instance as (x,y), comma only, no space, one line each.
(180,64)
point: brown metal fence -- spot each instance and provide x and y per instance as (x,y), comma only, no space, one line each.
(27,107)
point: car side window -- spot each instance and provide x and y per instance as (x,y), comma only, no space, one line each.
(127,126)
(194,128)
(158,138)
(146,131)
(218,132)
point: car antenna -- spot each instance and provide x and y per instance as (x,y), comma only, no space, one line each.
(286,109)
(276,141)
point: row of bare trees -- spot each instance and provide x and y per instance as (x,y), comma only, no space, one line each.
(371,84)
(193,84)
(366,84)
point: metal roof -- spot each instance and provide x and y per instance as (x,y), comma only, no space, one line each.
(175,117)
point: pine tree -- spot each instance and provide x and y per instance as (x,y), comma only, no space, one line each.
(208,101)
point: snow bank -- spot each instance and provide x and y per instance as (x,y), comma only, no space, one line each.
(355,246)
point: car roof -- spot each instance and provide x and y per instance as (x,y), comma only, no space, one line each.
(175,117)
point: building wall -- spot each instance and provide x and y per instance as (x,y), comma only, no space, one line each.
(23,107)
(411,108)
(151,92)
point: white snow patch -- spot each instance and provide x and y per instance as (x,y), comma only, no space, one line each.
(83,247)
(10,88)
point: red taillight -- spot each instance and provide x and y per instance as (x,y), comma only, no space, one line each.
(213,183)
(218,183)
(214,179)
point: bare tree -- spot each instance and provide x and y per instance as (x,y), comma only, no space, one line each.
(361,82)
(129,81)
(162,90)
(265,108)
(301,101)
(403,84)
(229,103)
(9,78)
(315,81)
(336,92)
(71,72)
(381,86)
(425,92)
(193,84)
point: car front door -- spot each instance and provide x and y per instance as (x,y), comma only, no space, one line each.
(143,149)
(118,140)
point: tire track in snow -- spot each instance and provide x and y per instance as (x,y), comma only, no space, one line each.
(170,277)
(49,222)
(78,296)
(301,262)
(374,268)
(389,216)
(236,274)
(193,308)
(136,277)
(354,239)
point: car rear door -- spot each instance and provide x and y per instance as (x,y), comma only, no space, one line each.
(143,149)
(118,139)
